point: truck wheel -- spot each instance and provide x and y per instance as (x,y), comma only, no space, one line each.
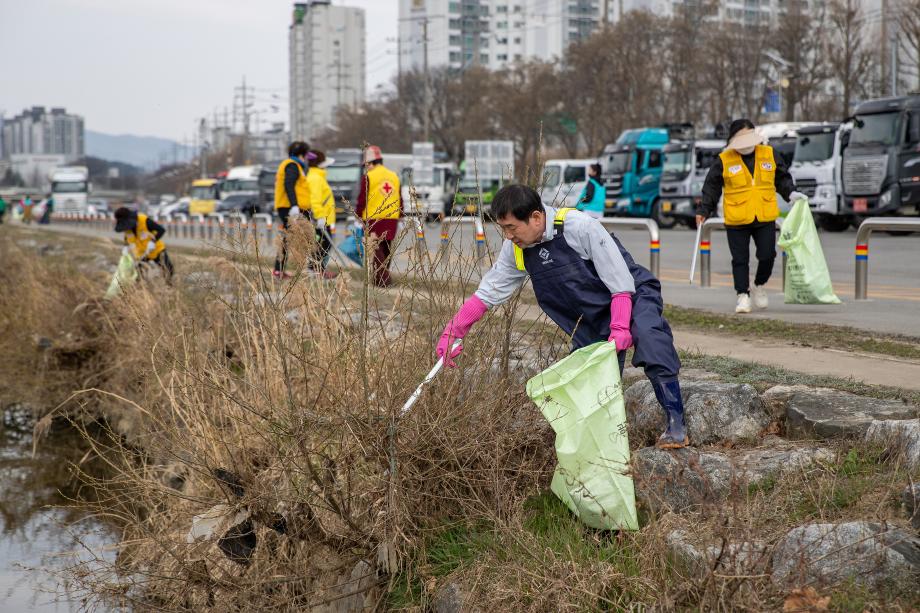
(664,221)
(834,223)
(690,222)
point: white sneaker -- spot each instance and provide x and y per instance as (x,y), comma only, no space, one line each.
(759,296)
(744,304)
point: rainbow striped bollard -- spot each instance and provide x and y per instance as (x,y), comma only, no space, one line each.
(654,250)
(480,239)
(705,265)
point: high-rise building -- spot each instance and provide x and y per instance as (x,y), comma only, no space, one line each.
(491,33)
(36,131)
(327,64)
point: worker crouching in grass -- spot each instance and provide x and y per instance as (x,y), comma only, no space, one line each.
(588,284)
(144,240)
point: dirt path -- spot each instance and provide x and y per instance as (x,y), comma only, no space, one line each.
(869,368)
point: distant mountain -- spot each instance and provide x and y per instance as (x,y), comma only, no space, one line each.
(147,152)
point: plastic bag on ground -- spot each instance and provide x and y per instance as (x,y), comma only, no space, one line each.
(125,276)
(582,398)
(807,278)
(353,246)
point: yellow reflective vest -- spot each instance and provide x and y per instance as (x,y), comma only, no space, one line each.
(383,201)
(300,188)
(322,202)
(747,197)
(140,237)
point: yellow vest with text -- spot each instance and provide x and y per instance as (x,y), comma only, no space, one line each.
(141,237)
(383,201)
(300,188)
(322,202)
(746,198)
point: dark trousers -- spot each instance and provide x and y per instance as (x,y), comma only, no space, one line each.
(165,264)
(739,243)
(382,263)
(653,342)
(281,257)
(321,255)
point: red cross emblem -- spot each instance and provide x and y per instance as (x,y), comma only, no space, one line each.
(386,188)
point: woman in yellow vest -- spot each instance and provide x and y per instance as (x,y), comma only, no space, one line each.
(322,205)
(380,206)
(290,190)
(144,239)
(748,175)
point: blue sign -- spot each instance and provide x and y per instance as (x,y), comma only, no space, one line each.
(771,101)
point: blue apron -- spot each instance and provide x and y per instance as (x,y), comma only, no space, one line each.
(571,293)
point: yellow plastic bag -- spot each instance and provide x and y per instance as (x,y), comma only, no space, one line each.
(582,398)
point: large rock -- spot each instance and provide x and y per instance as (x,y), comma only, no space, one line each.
(863,552)
(743,558)
(911,499)
(451,598)
(688,477)
(816,412)
(902,437)
(715,412)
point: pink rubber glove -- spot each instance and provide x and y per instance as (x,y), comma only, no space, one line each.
(620,315)
(471,312)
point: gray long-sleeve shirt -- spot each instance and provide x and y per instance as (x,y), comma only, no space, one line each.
(585,235)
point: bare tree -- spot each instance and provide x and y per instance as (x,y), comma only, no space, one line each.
(520,99)
(850,59)
(909,41)
(798,38)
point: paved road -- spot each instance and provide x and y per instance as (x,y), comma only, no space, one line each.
(894,274)
(894,277)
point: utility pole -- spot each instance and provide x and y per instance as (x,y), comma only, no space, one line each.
(203,139)
(894,54)
(884,58)
(426,120)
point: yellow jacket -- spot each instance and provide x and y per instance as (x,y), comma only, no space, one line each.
(140,237)
(322,202)
(747,197)
(383,200)
(300,188)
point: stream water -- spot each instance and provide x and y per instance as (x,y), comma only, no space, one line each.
(39,535)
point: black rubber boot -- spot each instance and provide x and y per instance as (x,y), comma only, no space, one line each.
(675,435)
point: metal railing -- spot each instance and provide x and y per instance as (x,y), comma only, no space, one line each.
(654,238)
(862,245)
(705,247)
(480,235)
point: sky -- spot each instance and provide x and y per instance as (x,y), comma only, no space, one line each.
(154,68)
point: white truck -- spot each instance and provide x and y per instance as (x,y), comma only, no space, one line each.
(783,137)
(70,188)
(817,170)
(563,181)
(686,164)
(241,180)
(432,198)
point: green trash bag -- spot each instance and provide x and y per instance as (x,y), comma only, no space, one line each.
(582,398)
(125,275)
(807,279)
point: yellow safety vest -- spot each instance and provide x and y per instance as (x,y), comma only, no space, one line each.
(747,198)
(300,188)
(558,221)
(383,201)
(321,199)
(141,236)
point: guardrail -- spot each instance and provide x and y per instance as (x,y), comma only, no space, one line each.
(447,222)
(654,238)
(862,245)
(705,248)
